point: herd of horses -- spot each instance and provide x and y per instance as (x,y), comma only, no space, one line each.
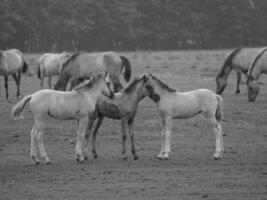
(96,92)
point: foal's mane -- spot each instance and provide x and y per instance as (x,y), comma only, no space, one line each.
(71,59)
(88,82)
(130,87)
(162,85)
(228,61)
(250,70)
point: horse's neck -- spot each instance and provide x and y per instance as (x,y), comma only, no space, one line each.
(258,69)
(226,71)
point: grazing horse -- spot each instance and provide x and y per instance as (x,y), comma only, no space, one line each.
(12,63)
(238,60)
(78,104)
(180,105)
(122,107)
(258,67)
(81,65)
(49,64)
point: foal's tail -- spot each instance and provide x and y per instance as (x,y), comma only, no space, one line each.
(19,107)
(127,68)
(219,110)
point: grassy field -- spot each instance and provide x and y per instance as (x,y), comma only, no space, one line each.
(191,172)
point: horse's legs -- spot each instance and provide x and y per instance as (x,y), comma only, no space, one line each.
(217,128)
(40,141)
(168,123)
(17,80)
(42,81)
(6,86)
(238,79)
(98,124)
(49,81)
(125,127)
(131,133)
(34,155)
(80,139)
(163,131)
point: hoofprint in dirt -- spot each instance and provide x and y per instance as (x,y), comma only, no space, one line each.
(191,173)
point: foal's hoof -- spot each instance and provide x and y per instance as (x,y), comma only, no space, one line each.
(37,163)
(217,156)
(79,159)
(48,162)
(124,158)
(95,157)
(135,157)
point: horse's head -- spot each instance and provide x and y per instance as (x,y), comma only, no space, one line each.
(151,88)
(253,89)
(108,90)
(221,84)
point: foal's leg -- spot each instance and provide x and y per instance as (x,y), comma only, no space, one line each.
(6,86)
(40,142)
(217,128)
(80,139)
(162,135)
(125,127)
(168,123)
(34,149)
(238,79)
(85,146)
(98,124)
(131,134)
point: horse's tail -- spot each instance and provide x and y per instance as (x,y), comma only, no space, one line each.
(128,68)
(219,110)
(25,67)
(19,107)
(38,70)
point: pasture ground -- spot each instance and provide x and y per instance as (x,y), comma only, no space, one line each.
(191,172)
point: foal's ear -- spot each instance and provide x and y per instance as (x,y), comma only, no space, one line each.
(145,77)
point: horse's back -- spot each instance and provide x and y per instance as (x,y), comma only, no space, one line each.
(243,60)
(105,61)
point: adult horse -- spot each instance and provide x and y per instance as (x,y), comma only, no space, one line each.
(81,65)
(12,63)
(258,67)
(122,107)
(180,105)
(78,104)
(238,60)
(49,65)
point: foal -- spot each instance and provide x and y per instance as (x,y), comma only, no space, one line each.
(122,107)
(180,105)
(78,104)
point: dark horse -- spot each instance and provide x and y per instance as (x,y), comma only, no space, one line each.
(81,65)
(12,63)
(123,106)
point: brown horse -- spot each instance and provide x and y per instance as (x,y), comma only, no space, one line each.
(12,63)
(238,60)
(82,65)
(122,107)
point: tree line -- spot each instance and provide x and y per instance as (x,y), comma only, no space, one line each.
(96,25)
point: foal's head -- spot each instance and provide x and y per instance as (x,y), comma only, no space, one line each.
(100,82)
(156,88)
